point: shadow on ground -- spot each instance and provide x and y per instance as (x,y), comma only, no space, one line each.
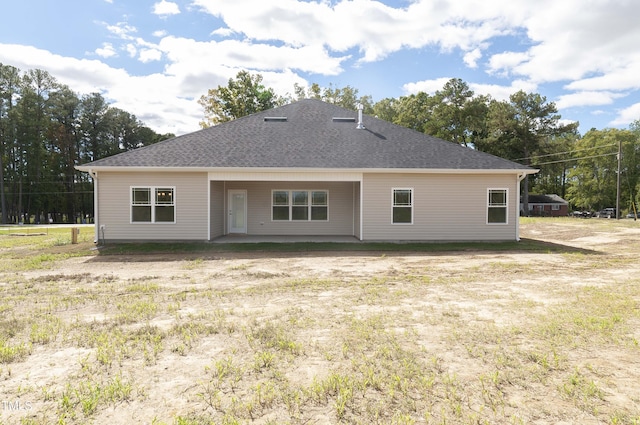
(176,251)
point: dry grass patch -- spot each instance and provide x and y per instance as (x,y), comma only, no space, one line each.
(450,337)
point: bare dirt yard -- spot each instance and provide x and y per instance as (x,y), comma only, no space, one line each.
(544,334)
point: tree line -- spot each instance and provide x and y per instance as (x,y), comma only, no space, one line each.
(526,128)
(46,129)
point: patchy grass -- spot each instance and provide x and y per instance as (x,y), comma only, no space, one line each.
(543,331)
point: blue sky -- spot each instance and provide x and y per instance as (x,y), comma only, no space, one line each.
(156,58)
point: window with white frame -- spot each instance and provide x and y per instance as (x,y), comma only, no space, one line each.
(497,206)
(402,209)
(153,205)
(300,205)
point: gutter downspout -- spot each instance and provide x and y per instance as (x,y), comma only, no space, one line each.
(521,177)
(96,221)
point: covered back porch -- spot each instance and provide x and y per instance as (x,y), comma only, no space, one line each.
(298,206)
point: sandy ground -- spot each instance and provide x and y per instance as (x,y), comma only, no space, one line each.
(477,289)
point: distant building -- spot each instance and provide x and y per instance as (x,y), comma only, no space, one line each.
(546,206)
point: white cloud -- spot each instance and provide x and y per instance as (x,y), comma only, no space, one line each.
(157,100)
(131,49)
(590,52)
(496,92)
(223,32)
(166,8)
(499,92)
(371,26)
(426,86)
(504,63)
(594,47)
(587,98)
(149,55)
(570,41)
(106,51)
(471,58)
(122,30)
(189,56)
(627,115)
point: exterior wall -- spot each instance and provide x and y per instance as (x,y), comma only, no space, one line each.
(114,203)
(341,208)
(446,207)
(546,210)
(217,210)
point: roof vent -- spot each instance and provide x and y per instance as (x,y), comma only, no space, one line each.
(360,125)
(344,119)
(275,119)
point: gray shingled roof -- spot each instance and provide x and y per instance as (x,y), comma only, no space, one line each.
(309,138)
(546,199)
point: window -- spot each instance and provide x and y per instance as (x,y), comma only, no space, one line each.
(152,205)
(280,205)
(300,205)
(319,206)
(402,206)
(140,205)
(497,206)
(300,208)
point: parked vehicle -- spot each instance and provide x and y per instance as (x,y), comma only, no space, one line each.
(582,214)
(607,213)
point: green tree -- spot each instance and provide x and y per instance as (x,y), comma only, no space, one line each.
(414,111)
(32,160)
(554,166)
(593,179)
(242,96)
(631,158)
(45,131)
(456,115)
(9,91)
(522,128)
(94,124)
(386,109)
(346,97)
(63,146)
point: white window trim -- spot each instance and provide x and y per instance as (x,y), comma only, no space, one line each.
(506,205)
(412,206)
(153,205)
(309,205)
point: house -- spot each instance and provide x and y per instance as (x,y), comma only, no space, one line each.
(306,168)
(547,206)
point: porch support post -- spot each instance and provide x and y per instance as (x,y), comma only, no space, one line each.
(96,221)
(361,205)
(519,177)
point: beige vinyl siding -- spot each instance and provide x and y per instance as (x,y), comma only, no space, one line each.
(447,207)
(217,209)
(341,208)
(191,197)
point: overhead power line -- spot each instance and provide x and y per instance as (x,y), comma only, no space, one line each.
(567,152)
(574,159)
